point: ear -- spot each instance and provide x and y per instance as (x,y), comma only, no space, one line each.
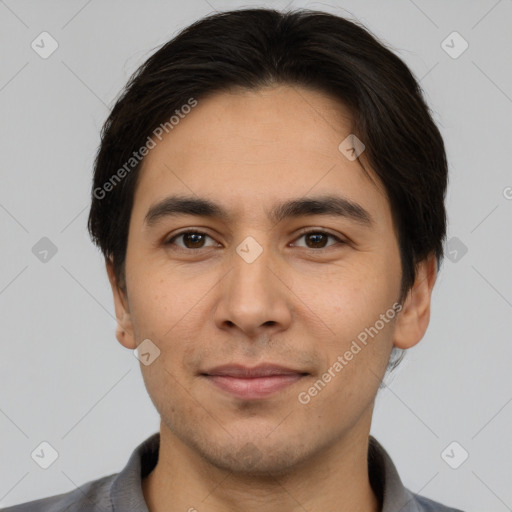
(413,319)
(124,330)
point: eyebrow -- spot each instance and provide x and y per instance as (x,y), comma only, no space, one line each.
(320,205)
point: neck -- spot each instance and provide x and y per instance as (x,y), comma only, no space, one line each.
(335,479)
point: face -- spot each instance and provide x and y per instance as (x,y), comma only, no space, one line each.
(258,285)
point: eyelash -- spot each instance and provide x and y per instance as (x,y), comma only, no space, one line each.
(301,234)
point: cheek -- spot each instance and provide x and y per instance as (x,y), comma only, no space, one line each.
(348,297)
(161,301)
(354,368)
(170,313)
(351,303)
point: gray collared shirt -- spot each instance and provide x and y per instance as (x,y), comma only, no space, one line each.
(122,492)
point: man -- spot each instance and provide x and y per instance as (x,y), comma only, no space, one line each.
(269,198)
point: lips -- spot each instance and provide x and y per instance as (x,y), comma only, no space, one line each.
(252,383)
(262,370)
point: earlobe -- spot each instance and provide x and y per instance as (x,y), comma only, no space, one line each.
(124,329)
(124,332)
(413,319)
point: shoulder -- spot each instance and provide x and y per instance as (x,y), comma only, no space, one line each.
(91,496)
(388,486)
(427,505)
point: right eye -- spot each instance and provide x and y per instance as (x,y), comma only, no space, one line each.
(191,240)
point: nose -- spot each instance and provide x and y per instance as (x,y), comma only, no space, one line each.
(254,297)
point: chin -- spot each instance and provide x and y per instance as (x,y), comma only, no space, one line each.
(252,457)
(252,461)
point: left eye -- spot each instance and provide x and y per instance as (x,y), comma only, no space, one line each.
(318,239)
(196,239)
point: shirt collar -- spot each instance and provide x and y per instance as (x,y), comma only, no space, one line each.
(126,491)
(386,482)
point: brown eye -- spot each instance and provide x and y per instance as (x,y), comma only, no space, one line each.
(190,240)
(318,239)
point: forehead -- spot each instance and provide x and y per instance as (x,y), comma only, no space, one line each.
(251,148)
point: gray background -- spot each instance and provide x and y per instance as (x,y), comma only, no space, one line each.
(66,380)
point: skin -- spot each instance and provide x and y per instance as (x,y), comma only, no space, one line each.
(295,305)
